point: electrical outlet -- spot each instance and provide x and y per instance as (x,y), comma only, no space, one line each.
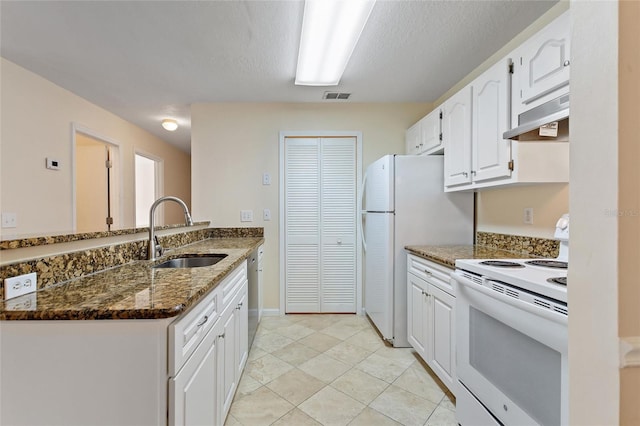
(528,216)
(9,220)
(22,284)
(266,214)
(246,215)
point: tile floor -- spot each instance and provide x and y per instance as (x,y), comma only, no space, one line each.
(334,370)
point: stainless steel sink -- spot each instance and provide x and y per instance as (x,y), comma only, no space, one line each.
(192,261)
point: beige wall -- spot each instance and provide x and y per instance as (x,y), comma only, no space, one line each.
(629,200)
(233,144)
(502,210)
(594,394)
(36,123)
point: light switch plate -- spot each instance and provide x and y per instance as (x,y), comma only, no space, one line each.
(266,179)
(246,215)
(266,214)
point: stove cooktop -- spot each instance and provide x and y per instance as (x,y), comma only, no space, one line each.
(530,275)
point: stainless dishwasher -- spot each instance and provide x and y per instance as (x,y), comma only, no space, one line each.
(253,293)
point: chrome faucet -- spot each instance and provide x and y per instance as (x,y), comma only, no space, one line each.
(154,249)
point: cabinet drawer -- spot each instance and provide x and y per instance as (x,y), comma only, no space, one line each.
(186,333)
(232,284)
(435,274)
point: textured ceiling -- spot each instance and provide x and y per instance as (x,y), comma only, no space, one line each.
(148,60)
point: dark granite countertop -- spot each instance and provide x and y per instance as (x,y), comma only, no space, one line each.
(447,255)
(133,290)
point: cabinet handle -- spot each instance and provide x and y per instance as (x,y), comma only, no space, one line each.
(465,174)
(221,336)
(473,172)
(201,323)
(239,306)
(566,63)
(428,272)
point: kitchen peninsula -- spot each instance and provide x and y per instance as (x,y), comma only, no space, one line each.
(168,340)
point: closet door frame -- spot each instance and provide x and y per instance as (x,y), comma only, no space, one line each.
(320,134)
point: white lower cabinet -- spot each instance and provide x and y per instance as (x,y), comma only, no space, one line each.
(431,317)
(228,360)
(194,390)
(233,348)
(202,391)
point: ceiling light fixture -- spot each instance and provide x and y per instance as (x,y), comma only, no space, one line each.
(330,31)
(169,124)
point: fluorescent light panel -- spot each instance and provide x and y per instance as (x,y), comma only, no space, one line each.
(330,32)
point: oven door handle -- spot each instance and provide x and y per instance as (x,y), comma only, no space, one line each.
(517,303)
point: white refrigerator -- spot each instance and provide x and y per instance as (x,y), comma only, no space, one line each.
(405,204)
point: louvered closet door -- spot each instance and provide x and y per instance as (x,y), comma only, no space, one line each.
(320,224)
(338,225)
(302,222)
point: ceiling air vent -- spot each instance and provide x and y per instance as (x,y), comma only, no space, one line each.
(336,95)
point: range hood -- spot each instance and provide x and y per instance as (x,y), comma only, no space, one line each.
(554,110)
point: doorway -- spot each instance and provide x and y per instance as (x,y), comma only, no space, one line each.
(97,183)
(148,188)
(320,244)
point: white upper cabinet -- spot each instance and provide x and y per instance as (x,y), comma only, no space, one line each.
(412,140)
(456,133)
(431,135)
(475,119)
(425,137)
(542,66)
(490,152)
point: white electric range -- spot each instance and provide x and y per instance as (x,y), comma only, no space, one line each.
(511,338)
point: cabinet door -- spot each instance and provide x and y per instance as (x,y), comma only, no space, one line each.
(442,360)
(193,392)
(416,314)
(412,140)
(242,314)
(228,359)
(431,138)
(456,134)
(490,152)
(544,61)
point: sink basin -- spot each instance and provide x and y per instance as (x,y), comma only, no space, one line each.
(192,261)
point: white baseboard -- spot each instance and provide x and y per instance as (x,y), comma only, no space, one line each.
(276,312)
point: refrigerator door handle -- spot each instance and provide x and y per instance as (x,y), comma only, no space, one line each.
(362,212)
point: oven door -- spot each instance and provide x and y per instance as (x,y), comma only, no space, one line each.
(512,354)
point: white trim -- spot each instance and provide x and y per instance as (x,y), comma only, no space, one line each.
(630,352)
(79,128)
(271,312)
(321,134)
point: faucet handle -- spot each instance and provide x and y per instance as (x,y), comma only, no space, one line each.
(157,247)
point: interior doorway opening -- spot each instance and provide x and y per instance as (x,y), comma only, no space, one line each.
(148,181)
(97,183)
